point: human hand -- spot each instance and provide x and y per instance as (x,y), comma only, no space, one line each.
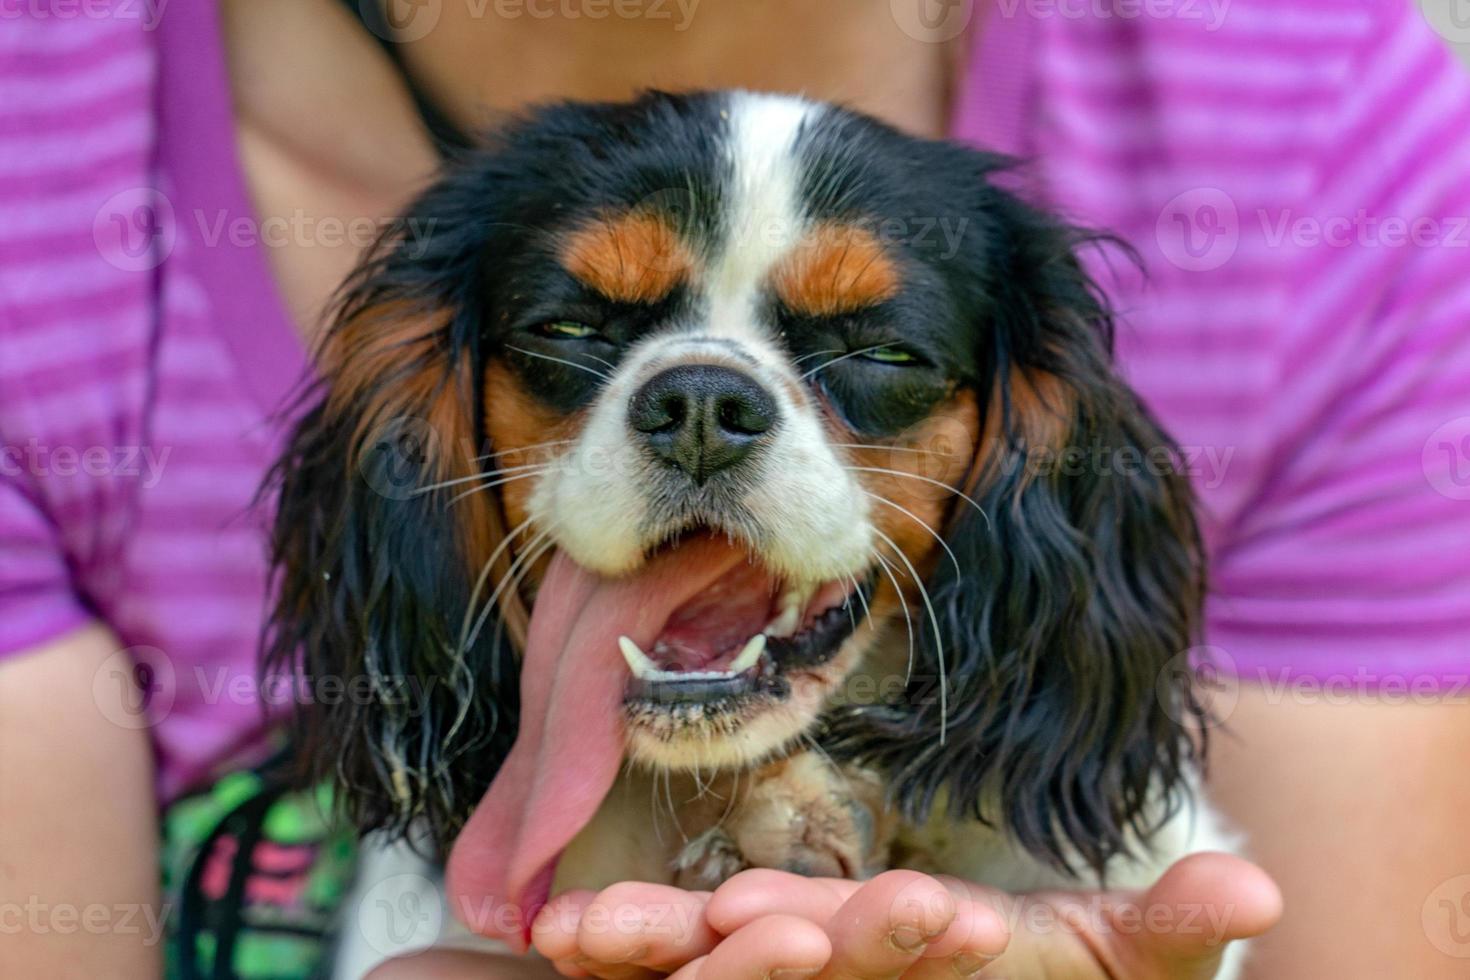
(910,926)
(1177,930)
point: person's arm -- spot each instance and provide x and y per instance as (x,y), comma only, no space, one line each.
(1357,806)
(78,823)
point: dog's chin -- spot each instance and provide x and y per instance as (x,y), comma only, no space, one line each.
(686,718)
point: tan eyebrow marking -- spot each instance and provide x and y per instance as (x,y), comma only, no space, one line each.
(836,268)
(632,258)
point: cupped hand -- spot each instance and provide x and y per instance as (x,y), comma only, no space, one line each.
(903,925)
(1178,930)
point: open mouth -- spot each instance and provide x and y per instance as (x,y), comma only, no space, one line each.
(741,635)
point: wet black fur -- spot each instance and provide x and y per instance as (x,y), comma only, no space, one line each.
(1077,592)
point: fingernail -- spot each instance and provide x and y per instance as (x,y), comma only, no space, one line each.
(907,939)
(968,964)
(792,974)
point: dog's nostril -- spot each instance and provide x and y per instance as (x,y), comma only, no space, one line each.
(702,418)
(743,417)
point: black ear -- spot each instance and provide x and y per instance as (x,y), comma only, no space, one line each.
(1081,582)
(373,565)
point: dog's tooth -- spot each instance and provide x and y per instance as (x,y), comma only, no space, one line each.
(786,622)
(638,661)
(749,654)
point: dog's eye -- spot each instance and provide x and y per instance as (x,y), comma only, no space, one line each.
(567,330)
(889,355)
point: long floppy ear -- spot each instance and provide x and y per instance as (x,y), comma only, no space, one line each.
(1082,581)
(375,560)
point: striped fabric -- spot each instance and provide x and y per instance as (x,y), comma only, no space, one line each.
(1312,357)
(1296,177)
(142,353)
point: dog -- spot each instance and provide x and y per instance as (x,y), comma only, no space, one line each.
(695,485)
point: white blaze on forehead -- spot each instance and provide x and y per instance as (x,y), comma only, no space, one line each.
(811,516)
(763,212)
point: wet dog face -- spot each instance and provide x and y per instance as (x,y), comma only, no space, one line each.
(738,351)
(798,357)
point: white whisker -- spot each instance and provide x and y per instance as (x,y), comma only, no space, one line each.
(561,360)
(482,475)
(495,483)
(889,449)
(533,547)
(924,479)
(938,635)
(525,449)
(852,353)
(816,353)
(920,521)
(888,569)
(480,581)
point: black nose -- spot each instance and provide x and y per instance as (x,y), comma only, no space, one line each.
(702,418)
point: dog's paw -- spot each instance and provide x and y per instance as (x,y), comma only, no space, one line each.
(805,816)
(707,861)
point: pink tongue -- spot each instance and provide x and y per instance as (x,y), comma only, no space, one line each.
(570,744)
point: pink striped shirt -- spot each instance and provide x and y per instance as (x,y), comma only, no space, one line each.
(1293,174)
(1296,176)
